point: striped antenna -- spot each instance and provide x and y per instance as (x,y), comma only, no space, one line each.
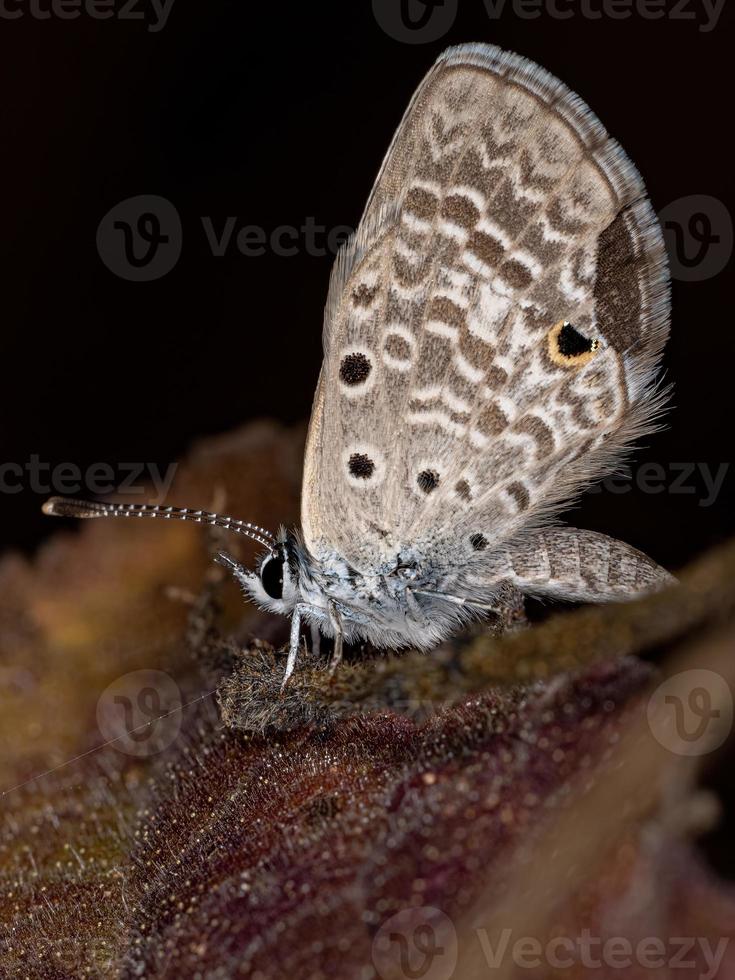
(66,507)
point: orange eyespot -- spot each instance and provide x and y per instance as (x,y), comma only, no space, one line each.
(570,348)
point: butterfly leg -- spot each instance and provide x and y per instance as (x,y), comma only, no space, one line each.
(293,648)
(336,622)
(316,640)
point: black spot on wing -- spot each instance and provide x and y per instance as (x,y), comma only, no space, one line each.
(428,480)
(361,466)
(355,369)
(572,343)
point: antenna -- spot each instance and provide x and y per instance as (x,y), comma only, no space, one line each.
(67,507)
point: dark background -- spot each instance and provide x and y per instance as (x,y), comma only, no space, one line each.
(275,113)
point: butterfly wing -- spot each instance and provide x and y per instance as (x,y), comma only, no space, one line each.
(492,329)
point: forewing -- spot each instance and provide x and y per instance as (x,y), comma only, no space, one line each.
(493,328)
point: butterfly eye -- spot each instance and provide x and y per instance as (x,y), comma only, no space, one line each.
(271,575)
(570,348)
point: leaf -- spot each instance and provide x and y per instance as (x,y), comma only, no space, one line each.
(511,783)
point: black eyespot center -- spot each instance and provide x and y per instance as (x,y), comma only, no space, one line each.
(355,369)
(463,490)
(478,542)
(271,575)
(428,480)
(361,466)
(571,343)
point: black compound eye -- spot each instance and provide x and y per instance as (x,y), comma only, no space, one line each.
(271,575)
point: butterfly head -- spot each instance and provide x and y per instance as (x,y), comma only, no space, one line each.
(275,583)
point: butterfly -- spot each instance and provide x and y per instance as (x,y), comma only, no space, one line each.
(491,344)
